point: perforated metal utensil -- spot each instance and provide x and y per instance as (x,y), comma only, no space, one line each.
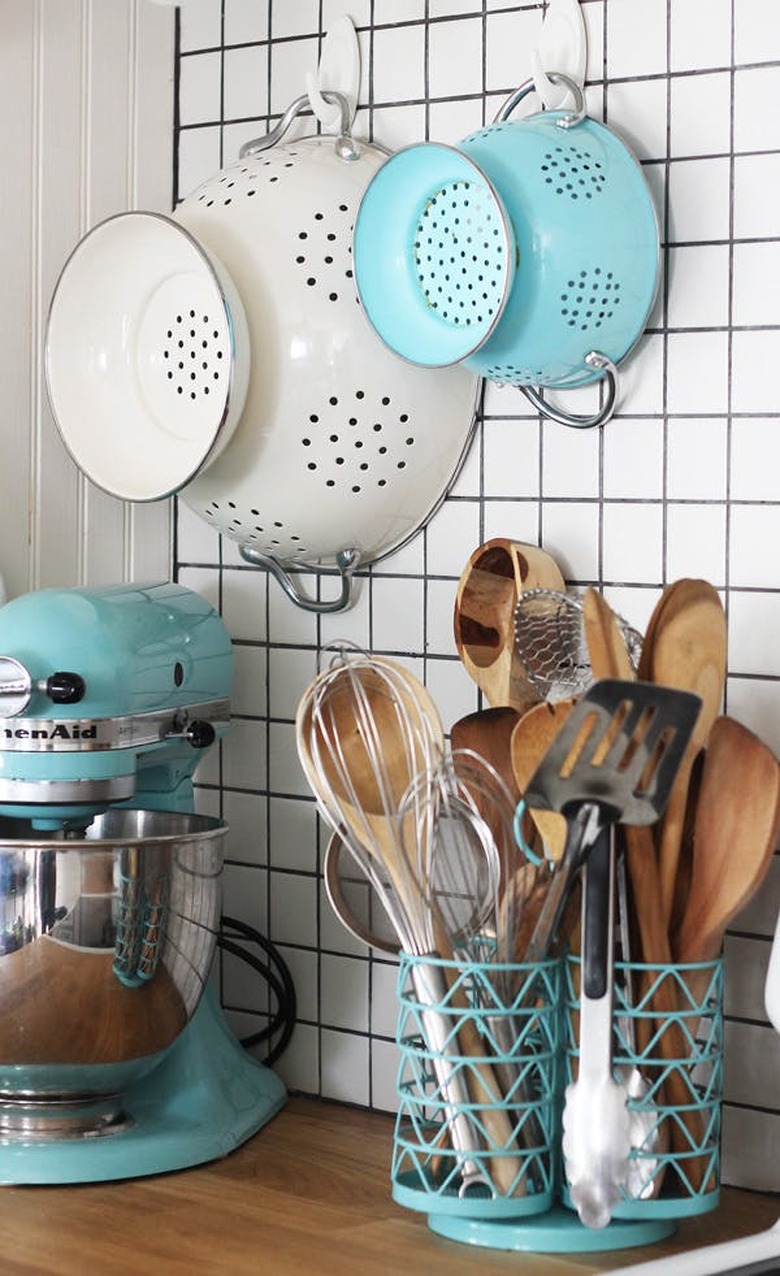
(551,643)
(613,761)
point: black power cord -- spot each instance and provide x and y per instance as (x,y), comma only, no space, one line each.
(277,976)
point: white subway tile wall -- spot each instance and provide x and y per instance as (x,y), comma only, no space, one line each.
(683,480)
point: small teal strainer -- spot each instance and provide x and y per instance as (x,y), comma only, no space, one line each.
(434,255)
(529,252)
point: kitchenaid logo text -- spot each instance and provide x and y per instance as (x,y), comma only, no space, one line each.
(62,731)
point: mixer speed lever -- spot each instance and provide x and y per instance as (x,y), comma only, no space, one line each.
(65,688)
(200,734)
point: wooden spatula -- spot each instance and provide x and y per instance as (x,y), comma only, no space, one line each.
(685,647)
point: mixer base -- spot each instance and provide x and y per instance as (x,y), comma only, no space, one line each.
(206,1098)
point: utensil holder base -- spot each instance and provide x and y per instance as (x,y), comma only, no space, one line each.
(556,1232)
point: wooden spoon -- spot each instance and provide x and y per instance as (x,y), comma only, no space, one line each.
(737,822)
(488,732)
(489,587)
(685,647)
(531,738)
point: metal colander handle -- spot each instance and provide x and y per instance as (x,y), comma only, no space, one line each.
(569,120)
(346,146)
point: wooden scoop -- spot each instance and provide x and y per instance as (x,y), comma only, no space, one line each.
(489,587)
(685,647)
(737,822)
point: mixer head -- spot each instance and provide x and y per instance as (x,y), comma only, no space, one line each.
(108,697)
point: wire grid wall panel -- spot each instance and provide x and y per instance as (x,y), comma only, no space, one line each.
(682,482)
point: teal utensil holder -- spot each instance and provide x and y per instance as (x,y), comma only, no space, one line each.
(501,1048)
(523,1021)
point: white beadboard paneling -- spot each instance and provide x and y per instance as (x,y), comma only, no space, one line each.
(153,101)
(18,335)
(59,177)
(86,88)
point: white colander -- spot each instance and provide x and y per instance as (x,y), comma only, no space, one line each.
(146,356)
(343,450)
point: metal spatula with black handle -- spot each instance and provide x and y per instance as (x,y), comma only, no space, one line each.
(613,762)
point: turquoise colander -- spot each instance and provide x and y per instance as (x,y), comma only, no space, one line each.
(529,252)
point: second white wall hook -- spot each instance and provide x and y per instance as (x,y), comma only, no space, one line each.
(562,46)
(339,71)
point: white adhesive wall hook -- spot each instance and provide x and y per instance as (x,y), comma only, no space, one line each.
(562,46)
(339,71)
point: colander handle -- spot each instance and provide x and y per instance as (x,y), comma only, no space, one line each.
(346,146)
(569,120)
(595,360)
(346,562)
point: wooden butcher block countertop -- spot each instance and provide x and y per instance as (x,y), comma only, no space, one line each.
(309,1194)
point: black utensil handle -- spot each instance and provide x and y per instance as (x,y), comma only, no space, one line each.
(597,926)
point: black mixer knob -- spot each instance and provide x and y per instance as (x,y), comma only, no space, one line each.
(66,688)
(200,734)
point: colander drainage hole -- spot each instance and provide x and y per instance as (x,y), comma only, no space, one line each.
(590,300)
(573,172)
(189,339)
(459,255)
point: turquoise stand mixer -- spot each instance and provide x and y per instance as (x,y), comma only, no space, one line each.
(115,1058)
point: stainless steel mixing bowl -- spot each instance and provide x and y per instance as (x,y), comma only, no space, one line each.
(105,946)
